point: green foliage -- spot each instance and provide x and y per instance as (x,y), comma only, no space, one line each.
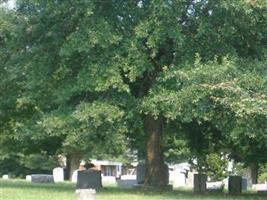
(217,166)
(39,162)
(83,75)
(263,177)
(263,173)
(12,166)
(19,165)
(176,150)
(225,101)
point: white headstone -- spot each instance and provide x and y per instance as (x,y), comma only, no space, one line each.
(259,187)
(74,176)
(109,180)
(179,178)
(230,166)
(225,182)
(215,186)
(28,178)
(190,180)
(58,174)
(5,177)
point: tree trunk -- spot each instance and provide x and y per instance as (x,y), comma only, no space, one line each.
(73,163)
(254,172)
(156,175)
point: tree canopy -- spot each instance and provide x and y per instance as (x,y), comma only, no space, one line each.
(96,77)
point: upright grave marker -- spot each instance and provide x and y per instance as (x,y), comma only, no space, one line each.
(87,182)
(244,184)
(89,179)
(29,178)
(200,183)
(235,185)
(140,173)
(58,174)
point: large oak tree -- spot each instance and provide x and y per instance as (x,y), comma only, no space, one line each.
(99,74)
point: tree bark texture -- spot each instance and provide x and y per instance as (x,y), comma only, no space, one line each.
(254,172)
(73,163)
(156,174)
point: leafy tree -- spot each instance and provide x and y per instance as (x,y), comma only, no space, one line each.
(107,73)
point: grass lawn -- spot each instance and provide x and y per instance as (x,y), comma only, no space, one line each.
(21,190)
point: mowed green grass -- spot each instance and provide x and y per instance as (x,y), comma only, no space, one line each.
(22,190)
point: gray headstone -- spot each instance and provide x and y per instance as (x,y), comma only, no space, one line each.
(244,184)
(235,185)
(42,178)
(200,183)
(85,194)
(140,173)
(58,174)
(89,179)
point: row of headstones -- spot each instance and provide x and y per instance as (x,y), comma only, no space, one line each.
(57,177)
(91,178)
(236,184)
(85,179)
(87,182)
